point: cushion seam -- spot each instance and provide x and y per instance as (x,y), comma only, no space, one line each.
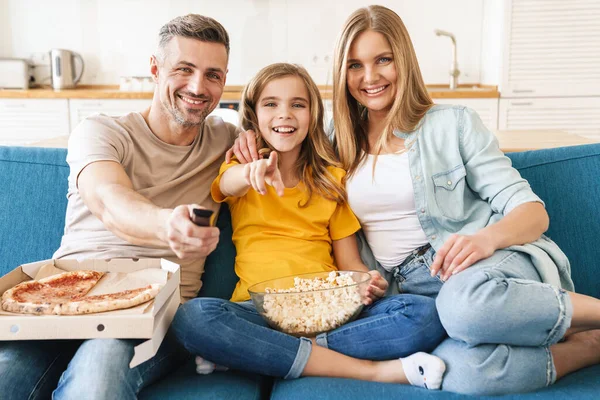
(35,163)
(554,162)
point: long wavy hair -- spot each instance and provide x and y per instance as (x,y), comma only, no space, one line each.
(412,99)
(316,153)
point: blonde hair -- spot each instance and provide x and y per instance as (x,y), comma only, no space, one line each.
(316,153)
(412,99)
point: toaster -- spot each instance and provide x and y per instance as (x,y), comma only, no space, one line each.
(14,73)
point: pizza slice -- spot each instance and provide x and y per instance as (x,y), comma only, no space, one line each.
(65,294)
(56,288)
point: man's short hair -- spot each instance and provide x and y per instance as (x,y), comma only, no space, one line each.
(194,26)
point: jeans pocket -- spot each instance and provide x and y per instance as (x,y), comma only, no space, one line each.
(427,260)
(449,189)
(415,277)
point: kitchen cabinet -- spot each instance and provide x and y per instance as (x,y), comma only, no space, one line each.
(29,120)
(486,108)
(579,115)
(551,48)
(79,109)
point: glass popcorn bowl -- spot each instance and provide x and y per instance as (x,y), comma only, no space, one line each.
(309,304)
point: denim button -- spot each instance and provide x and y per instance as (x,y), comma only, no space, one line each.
(433,237)
(423,210)
(449,183)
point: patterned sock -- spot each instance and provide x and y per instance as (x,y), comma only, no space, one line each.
(424,370)
(205,367)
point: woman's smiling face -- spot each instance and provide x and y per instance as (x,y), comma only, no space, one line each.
(371,75)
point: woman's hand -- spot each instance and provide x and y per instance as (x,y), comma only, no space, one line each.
(260,172)
(460,252)
(244,148)
(377,288)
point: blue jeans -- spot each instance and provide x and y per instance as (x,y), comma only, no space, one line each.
(75,369)
(500,320)
(236,336)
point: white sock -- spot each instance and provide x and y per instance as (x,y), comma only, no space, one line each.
(205,367)
(424,370)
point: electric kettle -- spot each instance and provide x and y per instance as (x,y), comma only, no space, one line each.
(62,65)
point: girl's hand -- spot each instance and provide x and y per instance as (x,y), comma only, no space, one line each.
(460,252)
(377,288)
(244,148)
(259,172)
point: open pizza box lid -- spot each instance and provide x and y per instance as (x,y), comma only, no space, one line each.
(150,321)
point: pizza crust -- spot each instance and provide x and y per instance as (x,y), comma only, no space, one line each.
(111,301)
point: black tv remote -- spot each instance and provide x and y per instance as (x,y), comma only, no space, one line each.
(201,216)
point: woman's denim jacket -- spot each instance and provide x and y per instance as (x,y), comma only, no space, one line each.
(463,183)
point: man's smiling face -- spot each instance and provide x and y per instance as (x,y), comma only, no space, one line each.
(190,76)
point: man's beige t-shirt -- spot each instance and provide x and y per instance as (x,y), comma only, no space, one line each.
(166,174)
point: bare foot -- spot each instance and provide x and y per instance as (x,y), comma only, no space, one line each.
(579,350)
(591,339)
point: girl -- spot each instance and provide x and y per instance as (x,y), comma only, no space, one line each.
(432,177)
(289,217)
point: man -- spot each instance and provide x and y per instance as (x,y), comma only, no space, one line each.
(133,183)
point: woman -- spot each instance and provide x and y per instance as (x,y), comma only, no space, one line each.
(447,216)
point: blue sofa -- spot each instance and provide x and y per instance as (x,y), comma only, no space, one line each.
(33,184)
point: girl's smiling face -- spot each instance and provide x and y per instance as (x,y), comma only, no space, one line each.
(283,113)
(371,75)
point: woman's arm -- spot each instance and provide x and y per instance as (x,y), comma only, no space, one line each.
(524,224)
(491,175)
(347,258)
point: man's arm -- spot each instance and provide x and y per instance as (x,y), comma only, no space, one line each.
(108,192)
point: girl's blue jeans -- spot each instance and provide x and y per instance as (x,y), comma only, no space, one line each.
(236,336)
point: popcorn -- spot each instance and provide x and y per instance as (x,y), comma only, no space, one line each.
(311,308)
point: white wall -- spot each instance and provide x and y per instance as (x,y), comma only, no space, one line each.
(492,29)
(117,37)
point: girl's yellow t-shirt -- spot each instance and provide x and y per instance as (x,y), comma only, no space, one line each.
(275,237)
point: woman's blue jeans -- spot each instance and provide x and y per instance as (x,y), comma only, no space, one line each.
(236,336)
(501,321)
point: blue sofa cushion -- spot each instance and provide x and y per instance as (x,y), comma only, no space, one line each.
(582,385)
(33,187)
(219,278)
(568,180)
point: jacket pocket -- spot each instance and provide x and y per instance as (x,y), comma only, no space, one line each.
(449,188)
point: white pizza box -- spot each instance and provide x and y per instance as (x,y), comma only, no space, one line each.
(150,323)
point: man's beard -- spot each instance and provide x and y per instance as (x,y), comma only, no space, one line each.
(190,118)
